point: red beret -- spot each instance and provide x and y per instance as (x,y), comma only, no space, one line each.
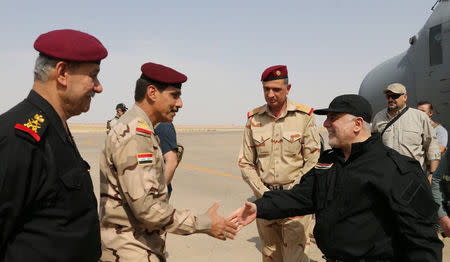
(274,72)
(162,74)
(71,45)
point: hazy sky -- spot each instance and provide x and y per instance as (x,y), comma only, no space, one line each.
(222,46)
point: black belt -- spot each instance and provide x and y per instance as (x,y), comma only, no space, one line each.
(277,187)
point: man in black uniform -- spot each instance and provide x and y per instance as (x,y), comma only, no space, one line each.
(48,210)
(371,203)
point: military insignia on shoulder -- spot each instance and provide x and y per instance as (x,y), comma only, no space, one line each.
(305,109)
(144,159)
(35,126)
(143,127)
(323,165)
(254,111)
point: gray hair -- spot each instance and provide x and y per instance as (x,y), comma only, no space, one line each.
(43,66)
(367,126)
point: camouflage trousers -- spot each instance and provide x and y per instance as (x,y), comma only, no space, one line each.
(132,246)
(287,240)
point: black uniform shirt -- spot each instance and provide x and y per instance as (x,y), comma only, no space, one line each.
(48,210)
(167,136)
(375,205)
(168,141)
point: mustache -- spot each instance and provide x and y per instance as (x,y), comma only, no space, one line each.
(91,94)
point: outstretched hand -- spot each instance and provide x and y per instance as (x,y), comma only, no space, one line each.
(221,228)
(244,215)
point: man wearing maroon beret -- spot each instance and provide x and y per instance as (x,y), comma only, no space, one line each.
(134,205)
(48,210)
(280,145)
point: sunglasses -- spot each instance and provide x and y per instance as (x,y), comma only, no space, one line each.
(393,96)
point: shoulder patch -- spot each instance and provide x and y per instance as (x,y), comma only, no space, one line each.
(303,108)
(144,159)
(254,111)
(143,127)
(33,127)
(323,165)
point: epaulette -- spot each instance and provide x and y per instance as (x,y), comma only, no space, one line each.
(303,108)
(254,111)
(33,127)
(143,127)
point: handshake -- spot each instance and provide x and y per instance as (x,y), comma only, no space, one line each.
(223,228)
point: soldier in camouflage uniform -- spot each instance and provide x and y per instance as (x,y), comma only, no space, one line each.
(280,145)
(135,213)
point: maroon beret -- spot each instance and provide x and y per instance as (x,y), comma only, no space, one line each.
(71,45)
(274,72)
(162,74)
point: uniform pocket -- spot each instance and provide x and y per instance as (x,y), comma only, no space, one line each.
(261,143)
(292,142)
(77,193)
(412,137)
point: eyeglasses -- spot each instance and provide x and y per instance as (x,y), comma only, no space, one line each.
(393,96)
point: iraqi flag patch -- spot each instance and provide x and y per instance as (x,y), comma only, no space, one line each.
(323,165)
(145,159)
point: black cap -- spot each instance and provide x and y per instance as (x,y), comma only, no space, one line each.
(351,104)
(122,107)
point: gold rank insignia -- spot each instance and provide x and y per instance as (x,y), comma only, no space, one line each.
(304,108)
(143,127)
(35,122)
(254,111)
(35,126)
(278,72)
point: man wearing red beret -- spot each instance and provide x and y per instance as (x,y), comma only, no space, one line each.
(280,145)
(48,210)
(135,210)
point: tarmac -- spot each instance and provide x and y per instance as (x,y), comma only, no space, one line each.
(207,173)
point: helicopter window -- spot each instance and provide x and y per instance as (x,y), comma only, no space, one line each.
(435,45)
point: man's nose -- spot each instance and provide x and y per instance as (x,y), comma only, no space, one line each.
(179,103)
(98,88)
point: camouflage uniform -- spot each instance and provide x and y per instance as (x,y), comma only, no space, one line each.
(135,213)
(110,123)
(275,154)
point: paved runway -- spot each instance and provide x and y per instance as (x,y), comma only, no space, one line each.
(207,173)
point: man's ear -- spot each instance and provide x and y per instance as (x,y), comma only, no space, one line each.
(151,93)
(288,88)
(62,69)
(359,124)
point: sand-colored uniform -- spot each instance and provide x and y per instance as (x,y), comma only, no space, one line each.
(411,135)
(275,154)
(134,210)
